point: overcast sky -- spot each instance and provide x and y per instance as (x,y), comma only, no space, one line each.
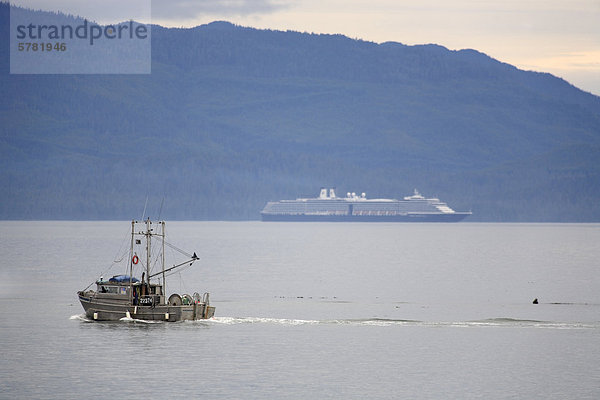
(557,36)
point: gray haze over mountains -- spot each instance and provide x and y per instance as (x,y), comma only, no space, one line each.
(233,117)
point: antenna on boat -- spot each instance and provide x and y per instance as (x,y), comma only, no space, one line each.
(161,206)
(145,205)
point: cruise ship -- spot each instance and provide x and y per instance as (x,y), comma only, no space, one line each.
(358,208)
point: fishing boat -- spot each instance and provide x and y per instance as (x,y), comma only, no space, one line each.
(126,297)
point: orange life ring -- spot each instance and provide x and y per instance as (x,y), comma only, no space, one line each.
(135,259)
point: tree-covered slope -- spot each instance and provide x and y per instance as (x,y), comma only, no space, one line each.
(232,117)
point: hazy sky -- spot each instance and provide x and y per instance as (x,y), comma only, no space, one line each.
(557,36)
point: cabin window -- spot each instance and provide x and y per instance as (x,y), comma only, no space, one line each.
(108,289)
(154,290)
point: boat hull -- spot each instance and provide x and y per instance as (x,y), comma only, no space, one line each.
(112,311)
(450,217)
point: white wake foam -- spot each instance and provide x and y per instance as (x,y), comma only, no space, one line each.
(79,317)
(383,322)
(255,320)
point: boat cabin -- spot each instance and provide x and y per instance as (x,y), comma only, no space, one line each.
(118,288)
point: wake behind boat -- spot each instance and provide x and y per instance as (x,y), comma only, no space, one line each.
(124,296)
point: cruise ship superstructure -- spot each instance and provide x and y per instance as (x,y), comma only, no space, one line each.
(356,208)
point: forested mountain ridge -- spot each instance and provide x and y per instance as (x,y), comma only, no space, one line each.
(232,117)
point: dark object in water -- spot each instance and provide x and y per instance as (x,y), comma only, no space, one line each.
(535,301)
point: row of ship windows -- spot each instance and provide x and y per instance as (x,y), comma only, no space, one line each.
(342,213)
(355,208)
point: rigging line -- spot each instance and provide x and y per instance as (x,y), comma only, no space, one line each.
(177,271)
(101,275)
(161,207)
(182,282)
(145,205)
(155,257)
(122,257)
(155,260)
(156,252)
(124,247)
(115,262)
(178,249)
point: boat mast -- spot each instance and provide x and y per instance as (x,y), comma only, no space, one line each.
(164,288)
(148,239)
(131,262)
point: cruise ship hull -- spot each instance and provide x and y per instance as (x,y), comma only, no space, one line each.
(455,217)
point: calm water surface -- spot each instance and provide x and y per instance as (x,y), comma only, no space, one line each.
(312,310)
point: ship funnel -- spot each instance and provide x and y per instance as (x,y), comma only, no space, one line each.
(332,193)
(323,194)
